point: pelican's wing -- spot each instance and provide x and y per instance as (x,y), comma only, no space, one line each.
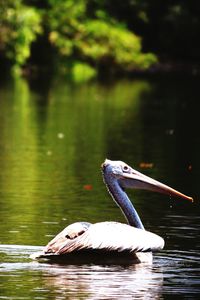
(70,233)
(113,236)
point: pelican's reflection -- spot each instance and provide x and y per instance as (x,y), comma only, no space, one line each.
(103,282)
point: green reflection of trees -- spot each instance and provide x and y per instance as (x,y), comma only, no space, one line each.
(19,160)
(53,148)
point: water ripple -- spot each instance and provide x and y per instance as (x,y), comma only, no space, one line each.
(172,272)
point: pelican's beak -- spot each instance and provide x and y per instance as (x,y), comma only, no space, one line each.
(138,180)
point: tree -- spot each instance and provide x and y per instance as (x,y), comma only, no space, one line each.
(20,26)
(82,42)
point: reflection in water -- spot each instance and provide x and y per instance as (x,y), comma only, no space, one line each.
(173,272)
(81,281)
(52,149)
(101,282)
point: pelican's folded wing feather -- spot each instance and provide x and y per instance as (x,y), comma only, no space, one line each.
(113,236)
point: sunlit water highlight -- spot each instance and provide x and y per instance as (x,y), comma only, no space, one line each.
(172,272)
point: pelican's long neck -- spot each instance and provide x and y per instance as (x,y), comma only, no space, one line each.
(122,200)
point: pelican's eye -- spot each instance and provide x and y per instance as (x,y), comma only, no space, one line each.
(125,168)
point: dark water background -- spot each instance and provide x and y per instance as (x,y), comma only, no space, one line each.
(53,138)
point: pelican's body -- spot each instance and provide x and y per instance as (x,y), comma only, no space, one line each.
(112,239)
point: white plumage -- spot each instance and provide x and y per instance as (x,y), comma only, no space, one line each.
(112,236)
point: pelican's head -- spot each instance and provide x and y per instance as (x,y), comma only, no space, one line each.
(130,178)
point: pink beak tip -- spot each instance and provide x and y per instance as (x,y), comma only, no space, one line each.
(190,199)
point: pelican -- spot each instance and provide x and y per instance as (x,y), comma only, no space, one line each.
(112,240)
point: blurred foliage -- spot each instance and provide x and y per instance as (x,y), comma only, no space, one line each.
(170,28)
(91,37)
(82,44)
(20,25)
(82,72)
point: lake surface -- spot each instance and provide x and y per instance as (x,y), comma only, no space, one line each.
(53,138)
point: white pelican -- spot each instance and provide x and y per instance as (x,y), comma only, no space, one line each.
(111,241)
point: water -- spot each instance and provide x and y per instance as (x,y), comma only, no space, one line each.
(53,139)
